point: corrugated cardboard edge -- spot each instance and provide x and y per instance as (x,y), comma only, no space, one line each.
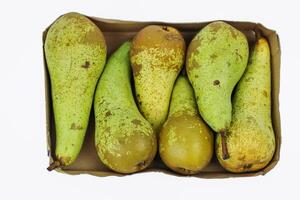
(273,39)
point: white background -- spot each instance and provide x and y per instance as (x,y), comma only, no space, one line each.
(23,158)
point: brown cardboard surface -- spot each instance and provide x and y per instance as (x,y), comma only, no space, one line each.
(115,33)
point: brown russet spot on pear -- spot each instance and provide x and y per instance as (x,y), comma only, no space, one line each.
(136,122)
(86,64)
(76,127)
(265,93)
(107,114)
(213,56)
(136,69)
(216,82)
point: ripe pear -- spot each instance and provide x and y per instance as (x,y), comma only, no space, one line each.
(186,142)
(250,140)
(216,60)
(157,56)
(124,139)
(75,52)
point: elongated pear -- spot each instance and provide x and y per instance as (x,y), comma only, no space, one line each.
(157,57)
(75,52)
(250,140)
(186,142)
(125,141)
(216,60)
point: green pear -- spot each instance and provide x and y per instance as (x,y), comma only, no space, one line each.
(75,53)
(186,142)
(157,56)
(124,139)
(250,140)
(216,60)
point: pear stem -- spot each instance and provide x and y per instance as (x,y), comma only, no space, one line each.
(54,165)
(225,153)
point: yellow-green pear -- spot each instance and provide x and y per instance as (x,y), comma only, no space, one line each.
(185,142)
(124,139)
(157,57)
(75,52)
(216,60)
(250,140)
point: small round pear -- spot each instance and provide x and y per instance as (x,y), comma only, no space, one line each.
(186,142)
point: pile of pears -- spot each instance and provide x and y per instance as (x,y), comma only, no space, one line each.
(155,98)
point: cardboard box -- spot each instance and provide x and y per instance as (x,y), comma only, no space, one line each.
(115,33)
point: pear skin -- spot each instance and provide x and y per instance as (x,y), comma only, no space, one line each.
(216,60)
(157,56)
(124,139)
(250,140)
(185,142)
(75,53)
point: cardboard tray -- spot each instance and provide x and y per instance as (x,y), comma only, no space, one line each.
(115,33)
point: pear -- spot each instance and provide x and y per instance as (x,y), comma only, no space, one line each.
(250,140)
(157,57)
(75,53)
(216,60)
(124,139)
(186,142)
